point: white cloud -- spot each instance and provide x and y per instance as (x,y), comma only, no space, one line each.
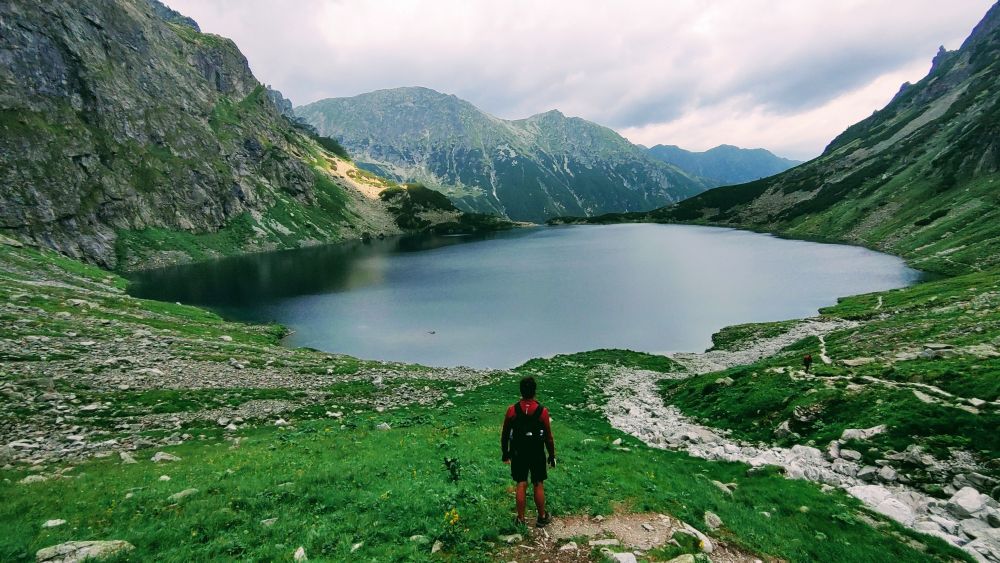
(786,75)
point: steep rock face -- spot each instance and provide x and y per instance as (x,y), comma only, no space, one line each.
(529,169)
(116,121)
(725,164)
(920,178)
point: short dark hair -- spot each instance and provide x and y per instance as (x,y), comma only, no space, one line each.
(528,387)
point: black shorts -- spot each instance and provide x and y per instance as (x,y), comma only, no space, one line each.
(522,465)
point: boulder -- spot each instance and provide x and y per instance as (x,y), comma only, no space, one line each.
(686,558)
(176,497)
(850,455)
(723,487)
(882,501)
(784,429)
(300,554)
(383,426)
(53,523)
(76,551)
(33,479)
(712,520)
(844,467)
(857,362)
(862,434)
(974,528)
(569,546)
(887,474)
(127,458)
(965,503)
(988,550)
(624,557)
(704,543)
(163,456)
(868,473)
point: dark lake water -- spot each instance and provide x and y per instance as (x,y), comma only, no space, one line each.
(501,300)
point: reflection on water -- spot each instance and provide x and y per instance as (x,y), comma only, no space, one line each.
(499,300)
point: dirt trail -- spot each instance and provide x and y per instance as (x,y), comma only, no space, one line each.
(637,533)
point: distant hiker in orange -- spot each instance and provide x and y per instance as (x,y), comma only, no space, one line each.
(525,436)
(807,361)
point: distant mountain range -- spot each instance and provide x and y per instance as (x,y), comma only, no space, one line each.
(725,164)
(919,178)
(527,169)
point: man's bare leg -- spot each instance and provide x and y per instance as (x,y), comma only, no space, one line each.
(522,493)
(540,498)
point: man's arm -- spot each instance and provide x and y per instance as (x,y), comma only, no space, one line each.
(550,443)
(505,436)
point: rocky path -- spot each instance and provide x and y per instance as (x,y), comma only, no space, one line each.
(717,360)
(619,537)
(634,405)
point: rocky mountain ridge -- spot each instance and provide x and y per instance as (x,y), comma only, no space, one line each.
(527,169)
(725,164)
(129,139)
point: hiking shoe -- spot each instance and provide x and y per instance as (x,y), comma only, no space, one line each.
(544,520)
(518,522)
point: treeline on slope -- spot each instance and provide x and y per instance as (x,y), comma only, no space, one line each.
(411,204)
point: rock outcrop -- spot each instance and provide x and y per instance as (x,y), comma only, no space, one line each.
(120,117)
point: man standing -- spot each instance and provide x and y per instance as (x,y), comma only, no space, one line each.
(807,361)
(525,436)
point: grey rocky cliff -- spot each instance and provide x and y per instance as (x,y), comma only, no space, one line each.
(115,120)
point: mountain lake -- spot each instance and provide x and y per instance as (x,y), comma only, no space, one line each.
(496,301)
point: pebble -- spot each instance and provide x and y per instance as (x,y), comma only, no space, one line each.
(569,546)
(604,542)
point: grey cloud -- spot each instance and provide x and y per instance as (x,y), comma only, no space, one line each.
(626,64)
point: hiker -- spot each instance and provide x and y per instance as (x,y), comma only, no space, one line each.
(807,361)
(525,436)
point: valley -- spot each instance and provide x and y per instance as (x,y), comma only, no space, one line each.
(136,429)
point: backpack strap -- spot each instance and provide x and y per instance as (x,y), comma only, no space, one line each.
(537,415)
(518,413)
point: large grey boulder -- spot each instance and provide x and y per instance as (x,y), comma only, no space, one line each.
(163,456)
(76,551)
(862,433)
(966,502)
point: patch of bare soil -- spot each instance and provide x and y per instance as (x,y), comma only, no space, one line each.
(635,533)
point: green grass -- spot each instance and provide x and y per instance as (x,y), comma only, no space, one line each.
(331,488)
(960,311)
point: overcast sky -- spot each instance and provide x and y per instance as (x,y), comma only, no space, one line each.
(786,75)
